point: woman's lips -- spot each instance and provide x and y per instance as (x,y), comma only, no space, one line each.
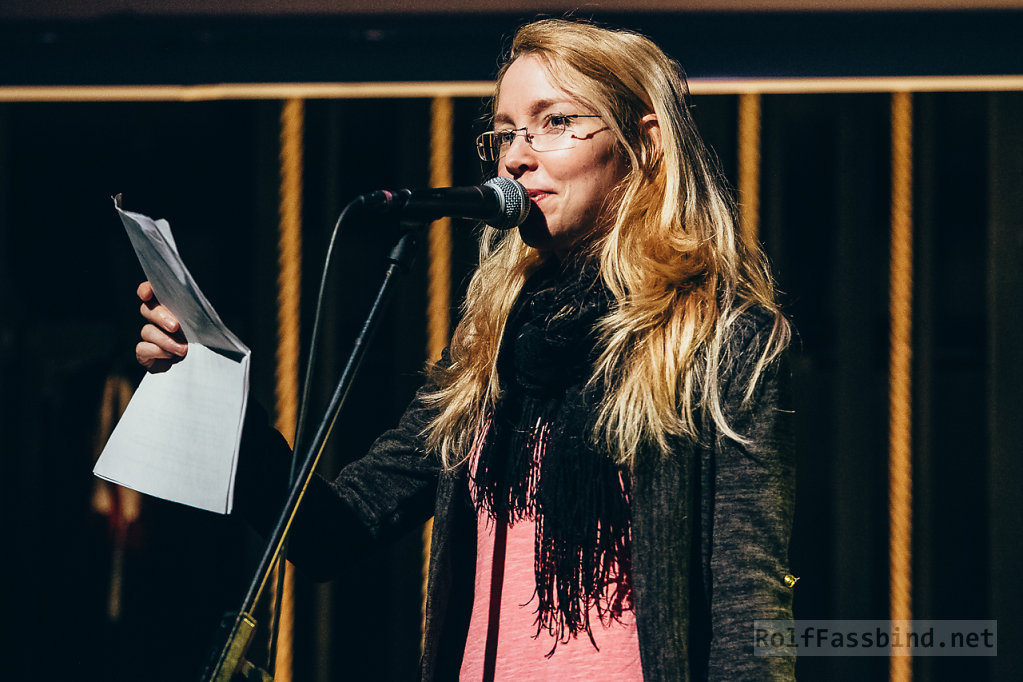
(537,194)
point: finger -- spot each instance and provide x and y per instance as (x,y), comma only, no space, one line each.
(159,315)
(146,352)
(145,291)
(154,358)
(153,311)
(147,356)
(172,345)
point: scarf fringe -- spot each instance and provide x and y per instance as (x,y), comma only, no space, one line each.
(580,505)
(536,460)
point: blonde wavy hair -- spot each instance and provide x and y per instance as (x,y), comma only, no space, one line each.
(670,254)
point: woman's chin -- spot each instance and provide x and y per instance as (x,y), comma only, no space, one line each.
(535,232)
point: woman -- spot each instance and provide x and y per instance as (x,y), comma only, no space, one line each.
(603,447)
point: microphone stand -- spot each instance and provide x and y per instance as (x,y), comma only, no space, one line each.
(238,627)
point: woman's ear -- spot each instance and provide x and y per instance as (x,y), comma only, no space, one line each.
(651,134)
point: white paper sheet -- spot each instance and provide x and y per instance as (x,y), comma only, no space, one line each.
(179,437)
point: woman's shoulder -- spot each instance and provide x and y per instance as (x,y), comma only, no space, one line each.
(754,330)
(752,350)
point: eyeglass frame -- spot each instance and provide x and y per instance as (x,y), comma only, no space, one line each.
(524,132)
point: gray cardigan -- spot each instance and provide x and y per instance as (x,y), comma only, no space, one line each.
(710,529)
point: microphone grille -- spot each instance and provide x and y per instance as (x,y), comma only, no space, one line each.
(514,203)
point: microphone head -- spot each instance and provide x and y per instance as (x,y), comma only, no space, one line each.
(514,203)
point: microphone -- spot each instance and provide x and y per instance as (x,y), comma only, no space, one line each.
(501,203)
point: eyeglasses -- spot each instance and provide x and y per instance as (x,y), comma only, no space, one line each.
(557,131)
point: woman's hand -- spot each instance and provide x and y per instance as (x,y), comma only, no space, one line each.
(162,342)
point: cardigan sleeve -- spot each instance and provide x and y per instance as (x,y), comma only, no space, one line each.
(752,508)
(375,498)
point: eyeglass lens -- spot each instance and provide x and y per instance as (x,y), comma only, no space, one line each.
(557,132)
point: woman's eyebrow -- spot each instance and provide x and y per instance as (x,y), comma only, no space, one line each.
(535,108)
(545,104)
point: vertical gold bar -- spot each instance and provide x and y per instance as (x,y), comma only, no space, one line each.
(438,312)
(749,165)
(289,277)
(900,472)
(438,317)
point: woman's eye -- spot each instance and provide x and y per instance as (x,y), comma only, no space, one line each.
(505,136)
(558,121)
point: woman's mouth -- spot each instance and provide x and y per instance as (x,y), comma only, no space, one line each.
(537,194)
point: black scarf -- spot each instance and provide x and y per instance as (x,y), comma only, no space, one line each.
(538,459)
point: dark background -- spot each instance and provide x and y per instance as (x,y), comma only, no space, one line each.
(68,316)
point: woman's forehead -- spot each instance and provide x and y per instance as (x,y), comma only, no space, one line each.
(527,89)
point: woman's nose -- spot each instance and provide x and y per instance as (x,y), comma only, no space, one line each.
(519,157)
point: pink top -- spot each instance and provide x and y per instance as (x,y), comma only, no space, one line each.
(516,654)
